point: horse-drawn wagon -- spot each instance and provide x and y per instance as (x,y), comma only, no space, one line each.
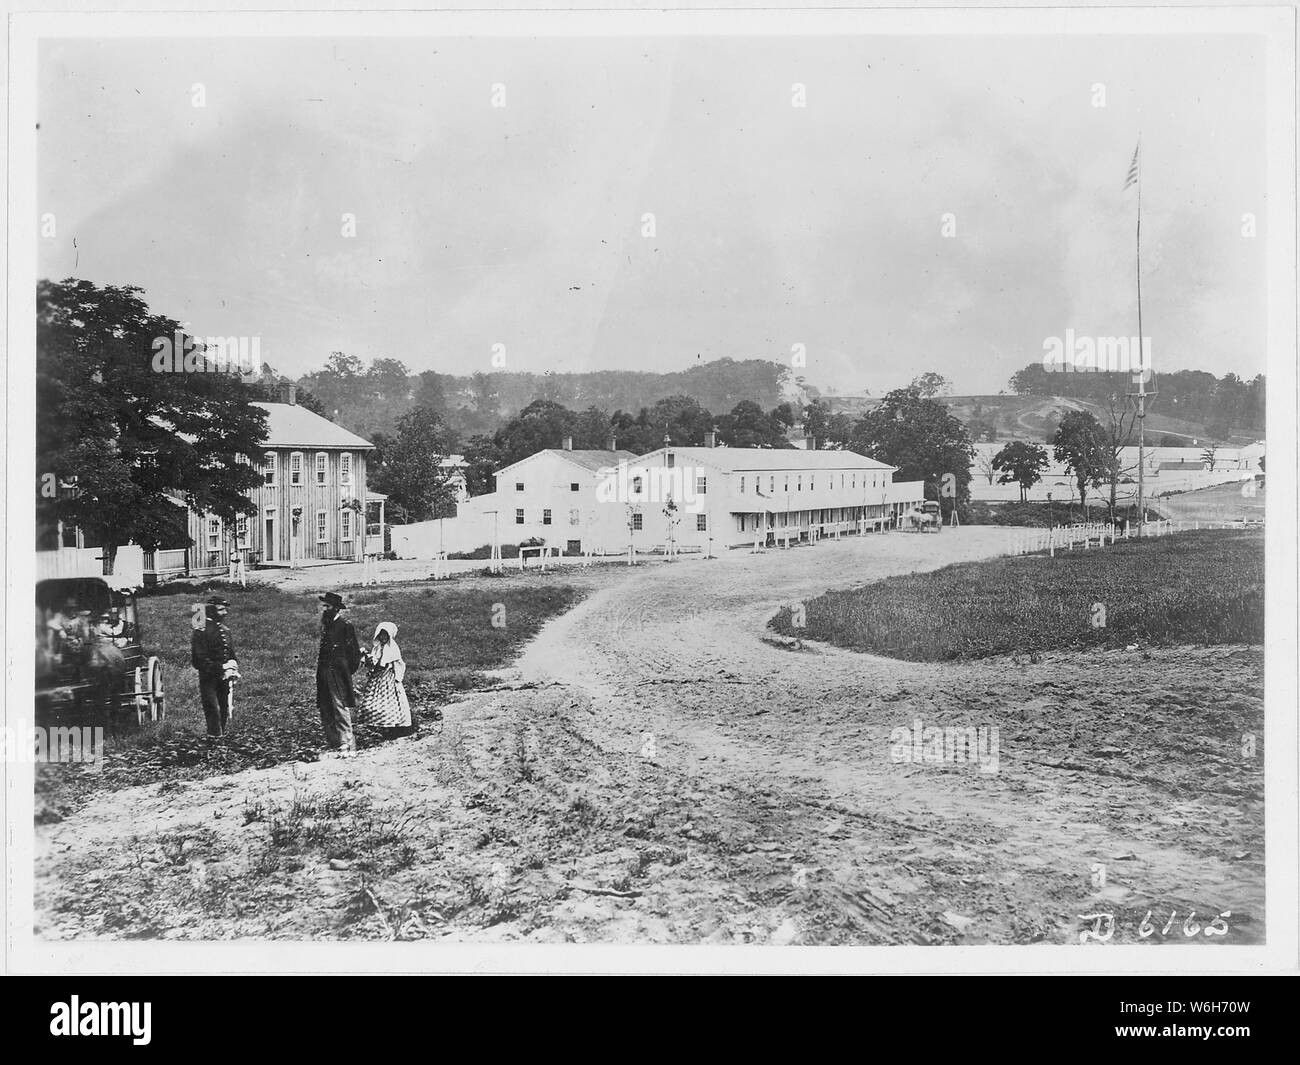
(89,659)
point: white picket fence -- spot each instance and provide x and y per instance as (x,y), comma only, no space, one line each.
(1099,534)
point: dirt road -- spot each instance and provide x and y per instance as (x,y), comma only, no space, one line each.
(660,769)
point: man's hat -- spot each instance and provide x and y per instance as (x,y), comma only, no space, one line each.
(216,600)
(332,599)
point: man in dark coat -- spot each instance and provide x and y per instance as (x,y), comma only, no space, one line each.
(211,652)
(340,655)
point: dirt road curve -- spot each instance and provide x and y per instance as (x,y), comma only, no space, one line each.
(659,769)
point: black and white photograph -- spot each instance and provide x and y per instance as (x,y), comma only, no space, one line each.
(498,484)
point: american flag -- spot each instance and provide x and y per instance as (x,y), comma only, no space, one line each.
(1133,168)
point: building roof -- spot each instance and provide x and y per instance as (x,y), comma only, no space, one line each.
(594,461)
(763,459)
(289,425)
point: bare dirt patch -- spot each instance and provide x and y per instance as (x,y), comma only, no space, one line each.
(654,769)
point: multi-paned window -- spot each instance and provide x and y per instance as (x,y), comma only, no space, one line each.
(574,518)
(573,486)
(295,468)
(214,534)
(771,484)
(636,522)
(322,466)
(345,524)
(519,516)
(268,467)
(345,467)
(519,486)
(701,485)
(241,530)
(322,526)
(546,516)
(701,523)
(742,486)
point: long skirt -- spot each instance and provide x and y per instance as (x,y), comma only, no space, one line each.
(383,702)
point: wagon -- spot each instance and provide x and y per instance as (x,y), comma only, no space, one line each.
(89,658)
(926,518)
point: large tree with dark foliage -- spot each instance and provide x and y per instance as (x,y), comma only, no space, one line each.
(1022,463)
(412,475)
(121,436)
(1080,443)
(925,442)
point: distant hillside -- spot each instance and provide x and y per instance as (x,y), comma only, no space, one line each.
(1034,417)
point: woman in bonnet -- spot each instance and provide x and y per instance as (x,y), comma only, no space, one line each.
(383,703)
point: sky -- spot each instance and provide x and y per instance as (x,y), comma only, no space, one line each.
(774,225)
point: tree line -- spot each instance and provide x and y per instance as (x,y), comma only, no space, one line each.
(1218,404)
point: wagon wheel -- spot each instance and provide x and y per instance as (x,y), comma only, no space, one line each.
(139,697)
(157,699)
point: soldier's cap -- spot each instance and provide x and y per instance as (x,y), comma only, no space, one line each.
(332,599)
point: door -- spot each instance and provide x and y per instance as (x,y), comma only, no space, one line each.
(270,545)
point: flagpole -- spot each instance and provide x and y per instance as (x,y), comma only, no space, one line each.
(1142,377)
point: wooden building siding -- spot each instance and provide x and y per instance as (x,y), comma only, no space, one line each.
(277,501)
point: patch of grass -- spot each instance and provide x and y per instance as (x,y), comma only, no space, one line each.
(447,636)
(1188,588)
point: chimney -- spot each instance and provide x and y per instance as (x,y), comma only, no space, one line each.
(612,443)
(292,394)
(710,439)
(568,443)
(810,443)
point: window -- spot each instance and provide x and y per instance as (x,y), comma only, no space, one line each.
(519,486)
(841,480)
(241,530)
(573,486)
(787,482)
(268,467)
(701,485)
(701,523)
(573,547)
(771,484)
(854,484)
(812,482)
(573,516)
(345,468)
(798,484)
(546,517)
(322,466)
(322,526)
(636,522)
(742,486)
(636,486)
(671,460)
(295,468)
(214,534)
(345,524)
(519,516)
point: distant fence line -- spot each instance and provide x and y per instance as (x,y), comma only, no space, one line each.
(1087,535)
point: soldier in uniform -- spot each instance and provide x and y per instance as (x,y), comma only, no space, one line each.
(213,654)
(340,655)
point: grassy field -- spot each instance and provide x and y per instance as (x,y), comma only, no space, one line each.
(1188,588)
(447,635)
(1042,515)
